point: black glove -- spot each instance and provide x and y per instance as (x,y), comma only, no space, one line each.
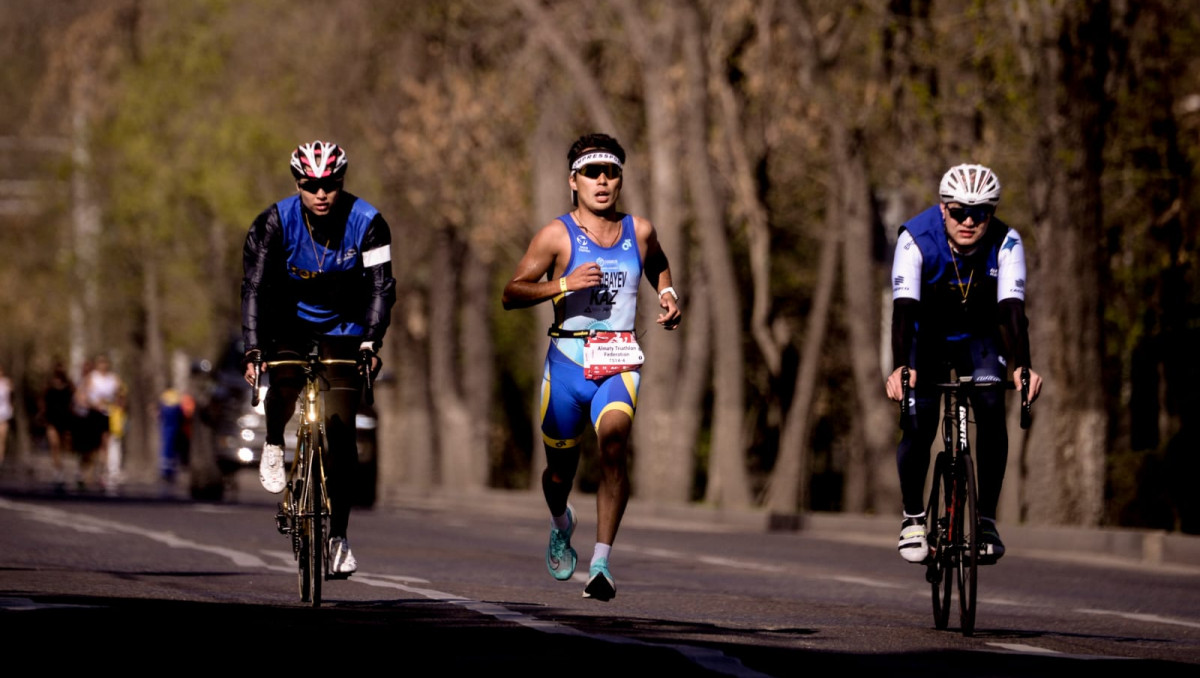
(253,355)
(369,363)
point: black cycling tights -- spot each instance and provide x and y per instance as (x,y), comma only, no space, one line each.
(978,357)
(341,406)
(990,451)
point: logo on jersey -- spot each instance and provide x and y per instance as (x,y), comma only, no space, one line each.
(627,244)
(1009,243)
(581,243)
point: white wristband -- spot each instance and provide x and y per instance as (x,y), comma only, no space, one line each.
(668,289)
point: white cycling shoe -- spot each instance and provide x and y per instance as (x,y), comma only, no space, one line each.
(341,560)
(914,544)
(270,469)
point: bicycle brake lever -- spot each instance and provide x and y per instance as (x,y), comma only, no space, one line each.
(905,396)
(1026,406)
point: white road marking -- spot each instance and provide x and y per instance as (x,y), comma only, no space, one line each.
(1149,618)
(1018,647)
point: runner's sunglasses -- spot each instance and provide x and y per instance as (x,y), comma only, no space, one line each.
(593,171)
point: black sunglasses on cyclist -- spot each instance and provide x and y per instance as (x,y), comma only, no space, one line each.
(593,171)
(979,213)
(315,185)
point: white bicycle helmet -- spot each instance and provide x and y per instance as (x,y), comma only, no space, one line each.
(970,185)
(318,160)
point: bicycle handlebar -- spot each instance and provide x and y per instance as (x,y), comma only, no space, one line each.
(965,383)
(368,391)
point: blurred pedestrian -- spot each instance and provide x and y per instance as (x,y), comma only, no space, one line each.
(171,426)
(98,391)
(54,412)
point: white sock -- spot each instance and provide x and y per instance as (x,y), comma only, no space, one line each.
(601,552)
(560,523)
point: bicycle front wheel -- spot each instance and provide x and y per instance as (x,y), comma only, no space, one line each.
(968,562)
(937,521)
(313,514)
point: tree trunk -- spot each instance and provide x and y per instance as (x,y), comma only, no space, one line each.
(1067,444)
(875,484)
(664,437)
(787,489)
(728,482)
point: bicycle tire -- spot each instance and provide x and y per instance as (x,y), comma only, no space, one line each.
(304,517)
(315,513)
(968,561)
(937,517)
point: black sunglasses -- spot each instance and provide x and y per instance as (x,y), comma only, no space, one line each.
(979,213)
(593,171)
(327,185)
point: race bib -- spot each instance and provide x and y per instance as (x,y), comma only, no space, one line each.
(607,353)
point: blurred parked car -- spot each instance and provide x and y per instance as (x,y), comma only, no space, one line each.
(239,429)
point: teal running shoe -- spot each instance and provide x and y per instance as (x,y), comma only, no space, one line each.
(600,585)
(560,557)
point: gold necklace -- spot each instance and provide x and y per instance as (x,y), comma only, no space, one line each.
(961,290)
(313,242)
(595,237)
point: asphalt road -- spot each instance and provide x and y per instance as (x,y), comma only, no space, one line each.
(451,586)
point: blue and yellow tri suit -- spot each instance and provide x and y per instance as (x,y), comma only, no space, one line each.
(610,306)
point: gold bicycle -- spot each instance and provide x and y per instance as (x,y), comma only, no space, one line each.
(304,512)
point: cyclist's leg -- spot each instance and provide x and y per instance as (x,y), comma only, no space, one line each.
(284,385)
(341,406)
(991,432)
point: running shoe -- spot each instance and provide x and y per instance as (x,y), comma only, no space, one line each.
(341,560)
(270,469)
(600,585)
(560,557)
(914,546)
(990,546)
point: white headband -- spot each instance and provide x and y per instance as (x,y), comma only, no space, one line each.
(593,158)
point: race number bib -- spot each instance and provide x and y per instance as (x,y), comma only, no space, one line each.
(607,353)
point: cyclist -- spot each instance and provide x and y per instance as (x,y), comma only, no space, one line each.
(317,270)
(589,263)
(958,302)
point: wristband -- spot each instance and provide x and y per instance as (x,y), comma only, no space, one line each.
(562,284)
(671,290)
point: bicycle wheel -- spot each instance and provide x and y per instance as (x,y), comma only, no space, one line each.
(968,562)
(303,515)
(315,512)
(937,521)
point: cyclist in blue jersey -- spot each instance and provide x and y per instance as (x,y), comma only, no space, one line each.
(318,272)
(958,302)
(589,263)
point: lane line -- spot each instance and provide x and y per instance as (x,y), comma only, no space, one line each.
(1142,617)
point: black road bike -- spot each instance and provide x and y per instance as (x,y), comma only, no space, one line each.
(952,514)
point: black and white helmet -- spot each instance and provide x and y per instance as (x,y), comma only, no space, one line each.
(318,160)
(970,185)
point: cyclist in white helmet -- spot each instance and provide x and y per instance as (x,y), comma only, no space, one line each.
(318,271)
(958,302)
